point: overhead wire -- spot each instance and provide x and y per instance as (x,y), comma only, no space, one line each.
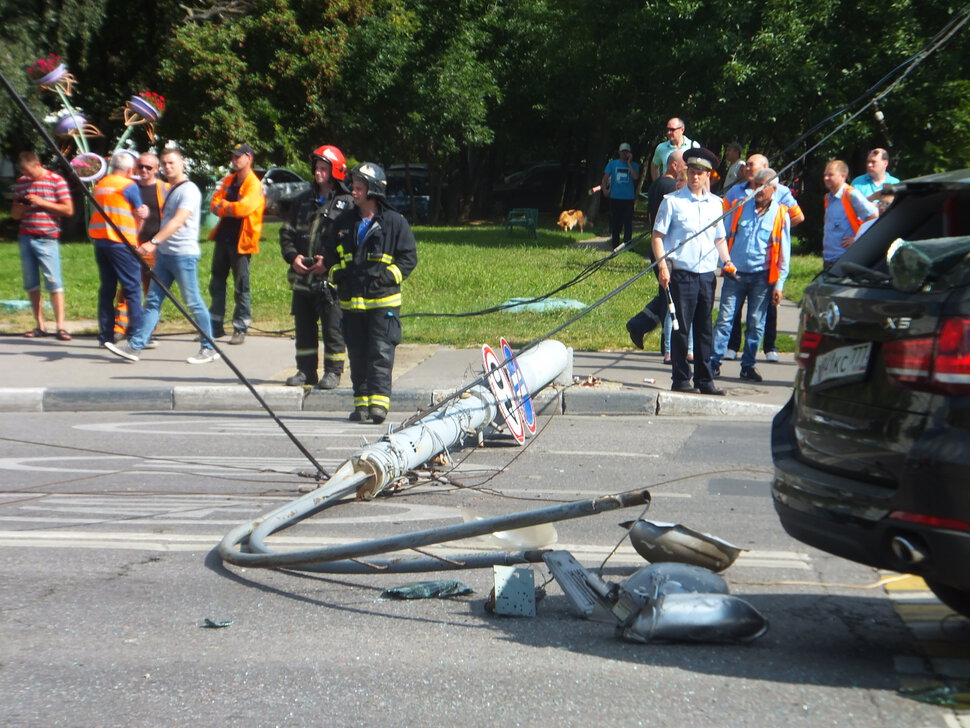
(72,173)
(903,69)
(956,23)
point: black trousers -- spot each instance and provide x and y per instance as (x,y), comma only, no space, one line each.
(372,337)
(309,308)
(693,295)
(225,260)
(621,218)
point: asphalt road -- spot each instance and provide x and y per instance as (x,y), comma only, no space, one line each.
(108,521)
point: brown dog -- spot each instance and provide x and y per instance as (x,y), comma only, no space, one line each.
(572,218)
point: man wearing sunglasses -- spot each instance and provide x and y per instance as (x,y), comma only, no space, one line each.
(676,139)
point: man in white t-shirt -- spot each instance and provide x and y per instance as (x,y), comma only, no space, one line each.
(177,252)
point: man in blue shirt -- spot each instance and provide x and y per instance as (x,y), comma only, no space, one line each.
(688,240)
(845,210)
(759,241)
(870,183)
(620,182)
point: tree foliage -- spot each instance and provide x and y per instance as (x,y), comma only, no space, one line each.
(475,88)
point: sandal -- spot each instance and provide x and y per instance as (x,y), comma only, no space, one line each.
(35,333)
(62,335)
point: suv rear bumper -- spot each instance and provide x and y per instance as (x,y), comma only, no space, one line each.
(850,519)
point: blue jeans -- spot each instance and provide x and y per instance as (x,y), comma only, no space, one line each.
(40,255)
(117,266)
(183,269)
(756,288)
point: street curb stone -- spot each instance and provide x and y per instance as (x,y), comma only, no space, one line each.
(234,398)
(95,399)
(26,399)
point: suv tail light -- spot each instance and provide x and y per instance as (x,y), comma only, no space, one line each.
(932,521)
(939,364)
(807,347)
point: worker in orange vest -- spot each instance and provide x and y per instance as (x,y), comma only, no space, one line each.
(842,219)
(759,240)
(119,197)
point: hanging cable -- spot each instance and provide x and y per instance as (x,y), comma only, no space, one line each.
(35,122)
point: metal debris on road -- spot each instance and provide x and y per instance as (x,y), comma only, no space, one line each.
(435,589)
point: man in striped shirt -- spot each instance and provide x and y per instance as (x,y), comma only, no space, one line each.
(40,197)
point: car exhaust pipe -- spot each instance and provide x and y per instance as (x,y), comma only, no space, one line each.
(908,552)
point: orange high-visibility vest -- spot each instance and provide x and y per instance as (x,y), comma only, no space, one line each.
(773,257)
(854,220)
(109,193)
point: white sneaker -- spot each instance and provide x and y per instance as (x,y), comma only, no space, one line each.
(204,356)
(730,355)
(123,350)
(771,355)
(152,343)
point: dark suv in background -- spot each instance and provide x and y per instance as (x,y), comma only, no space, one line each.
(872,452)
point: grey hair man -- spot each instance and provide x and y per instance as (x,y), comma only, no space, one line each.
(759,239)
(114,233)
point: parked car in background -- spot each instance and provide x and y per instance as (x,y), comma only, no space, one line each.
(280,185)
(413,203)
(872,452)
(547,187)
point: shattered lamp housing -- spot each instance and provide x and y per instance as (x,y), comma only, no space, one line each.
(672,542)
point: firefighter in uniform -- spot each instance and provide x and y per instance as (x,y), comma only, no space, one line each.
(370,251)
(302,238)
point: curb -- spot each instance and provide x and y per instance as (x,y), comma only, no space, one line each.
(235,398)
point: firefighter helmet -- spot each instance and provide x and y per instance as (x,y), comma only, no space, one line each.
(373,176)
(338,162)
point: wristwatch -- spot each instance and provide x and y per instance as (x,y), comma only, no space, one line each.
(154,242)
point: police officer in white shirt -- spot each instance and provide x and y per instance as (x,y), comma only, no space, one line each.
(686,233)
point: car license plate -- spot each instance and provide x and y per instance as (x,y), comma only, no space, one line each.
(846,361)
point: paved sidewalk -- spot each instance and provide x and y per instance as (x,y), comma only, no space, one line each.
(46,375)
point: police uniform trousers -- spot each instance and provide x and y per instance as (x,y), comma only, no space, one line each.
(308,308)
(371,337)
(693,295)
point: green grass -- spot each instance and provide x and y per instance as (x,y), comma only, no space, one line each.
(460,269)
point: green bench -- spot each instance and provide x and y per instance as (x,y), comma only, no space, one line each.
(523,217)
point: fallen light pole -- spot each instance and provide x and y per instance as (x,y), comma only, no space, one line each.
(376,466)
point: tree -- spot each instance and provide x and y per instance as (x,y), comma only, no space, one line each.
(262,75)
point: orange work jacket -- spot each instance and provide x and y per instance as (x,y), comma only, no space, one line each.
(249,207)
(109,193)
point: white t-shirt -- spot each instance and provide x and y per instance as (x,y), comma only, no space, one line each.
(185,240)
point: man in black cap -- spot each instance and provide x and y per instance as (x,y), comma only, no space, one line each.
(239,204)
(688,240)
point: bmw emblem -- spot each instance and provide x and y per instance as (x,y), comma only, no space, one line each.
(831,316)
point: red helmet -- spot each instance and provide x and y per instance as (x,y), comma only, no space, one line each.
(338,163)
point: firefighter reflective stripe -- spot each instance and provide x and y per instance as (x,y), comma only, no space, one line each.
(380,400)
(306,352)
(385,258)
(854,220)
(335,357)
(362,400)
(359,303)
(396,272)
(345,261)
(109,193)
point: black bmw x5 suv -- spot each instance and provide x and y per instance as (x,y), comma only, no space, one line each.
(872,452)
